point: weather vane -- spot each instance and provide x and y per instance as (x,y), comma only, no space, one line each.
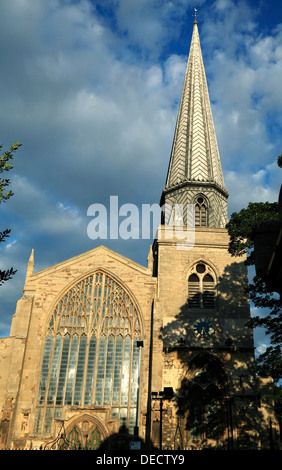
(195,15)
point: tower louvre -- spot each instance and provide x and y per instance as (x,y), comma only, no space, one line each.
(194,174)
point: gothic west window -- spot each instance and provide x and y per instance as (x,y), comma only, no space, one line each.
(201,287)
(201,214)
(90,354)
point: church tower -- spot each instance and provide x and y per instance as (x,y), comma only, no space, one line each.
(205,354)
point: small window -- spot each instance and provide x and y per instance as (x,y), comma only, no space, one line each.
(194,291)
(208,291)
(200,213)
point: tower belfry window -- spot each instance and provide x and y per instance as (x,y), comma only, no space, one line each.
(208,291)
(201,213)
(194,291)
(201,287)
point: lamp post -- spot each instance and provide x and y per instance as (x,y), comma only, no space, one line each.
(166,394)
(136,429)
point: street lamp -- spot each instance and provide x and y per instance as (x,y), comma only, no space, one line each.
(166,394)
(136,429)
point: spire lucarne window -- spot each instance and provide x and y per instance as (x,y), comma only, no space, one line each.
(91,355)
(201,215)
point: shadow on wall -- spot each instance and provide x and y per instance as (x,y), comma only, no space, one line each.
(226,322)
(232,285)
(124,441)
(75,439)
(218,401)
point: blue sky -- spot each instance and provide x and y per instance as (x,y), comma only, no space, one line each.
(91,89)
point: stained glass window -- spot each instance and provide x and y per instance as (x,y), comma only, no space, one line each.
(91,355)
(73,440)
(94,440)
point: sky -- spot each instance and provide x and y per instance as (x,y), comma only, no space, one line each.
(91,90)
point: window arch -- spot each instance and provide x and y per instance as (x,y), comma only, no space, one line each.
(201,212)
(201,287)
(75,440)
(202,400)
(206,417)
(91,355)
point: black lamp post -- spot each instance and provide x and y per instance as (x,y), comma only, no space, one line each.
(136,429)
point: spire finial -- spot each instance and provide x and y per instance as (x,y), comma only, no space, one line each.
(30,265)
(195,15)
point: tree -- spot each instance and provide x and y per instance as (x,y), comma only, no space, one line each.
(5,194)
(278,406)
(242,229)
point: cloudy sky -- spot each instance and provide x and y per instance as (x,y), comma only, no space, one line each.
(91,89)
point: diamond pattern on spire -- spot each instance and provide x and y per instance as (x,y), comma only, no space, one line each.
(195,155)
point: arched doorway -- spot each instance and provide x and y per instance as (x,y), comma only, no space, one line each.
(84,433)
(203,405)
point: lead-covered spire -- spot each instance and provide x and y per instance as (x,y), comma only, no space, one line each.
(195,162)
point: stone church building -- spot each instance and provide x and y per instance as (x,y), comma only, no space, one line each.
(104,353)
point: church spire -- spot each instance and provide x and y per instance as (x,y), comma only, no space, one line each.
(195,162)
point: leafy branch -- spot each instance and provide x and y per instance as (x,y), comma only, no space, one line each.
(6,165)
(242,229)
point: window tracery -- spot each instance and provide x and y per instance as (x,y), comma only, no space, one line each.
(90,355)
(201,212)
(201,287)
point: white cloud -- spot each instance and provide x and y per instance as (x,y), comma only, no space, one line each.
(8,246)
(261,340)
(149,25)
(261,348)
(252,187)
(244,67)
(94,101)
(42,213)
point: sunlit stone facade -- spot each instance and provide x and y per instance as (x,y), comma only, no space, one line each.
(112,353)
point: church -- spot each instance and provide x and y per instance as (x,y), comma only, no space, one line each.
(105,353)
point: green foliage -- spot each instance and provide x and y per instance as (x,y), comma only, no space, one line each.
(278,402)
(269,362)
(243,224)
(6,165)
(279,161)
(242,229)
